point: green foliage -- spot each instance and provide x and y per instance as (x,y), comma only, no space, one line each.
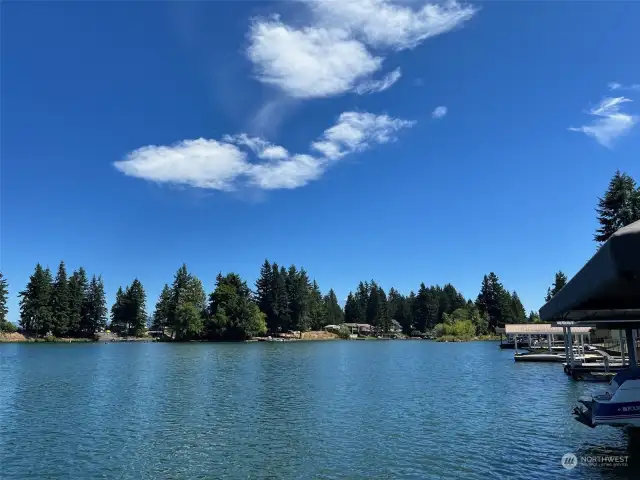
(186,289)
(494,301)
(344,333)
(332,309)
(35,303)
(60,303)
(534,317)
(4,295)
(560,281)
(233,315)
(619,207)
(95,311)
(160,319)
(77,288)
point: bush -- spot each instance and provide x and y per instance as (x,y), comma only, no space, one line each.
(8,327)
(344,332)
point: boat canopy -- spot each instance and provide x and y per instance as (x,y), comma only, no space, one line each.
(607,288)
(540,329)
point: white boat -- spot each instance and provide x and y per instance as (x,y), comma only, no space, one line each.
(619,405)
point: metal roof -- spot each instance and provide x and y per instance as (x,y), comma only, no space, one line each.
(539,329)
(606,288)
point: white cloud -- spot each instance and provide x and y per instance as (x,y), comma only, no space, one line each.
(330,56)
(610,124)
(374,86)
(226,166)
(311,62)
(439,112)
(388,24)
(619,86)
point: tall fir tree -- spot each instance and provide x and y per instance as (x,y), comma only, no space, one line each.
(333,310)
(60,302)
(35,303)
(518,311)
(77,287)
(494,301)
(560,281)
(351,309)
(161,312)
(317,309)
(4,295)
(619,207)
(118,313)
(135,309)
(96,307)
(265,295)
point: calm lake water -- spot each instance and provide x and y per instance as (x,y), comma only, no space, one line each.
(343,409)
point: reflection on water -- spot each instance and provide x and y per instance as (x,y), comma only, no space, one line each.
(397,409)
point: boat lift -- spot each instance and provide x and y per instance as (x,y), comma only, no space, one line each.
(606,293)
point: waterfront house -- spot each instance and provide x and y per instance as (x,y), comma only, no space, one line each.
(363,329)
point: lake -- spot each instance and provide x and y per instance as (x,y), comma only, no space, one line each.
(333,409)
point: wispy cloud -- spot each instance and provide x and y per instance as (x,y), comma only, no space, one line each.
(374,86)
(610,123)
(619,86)
(244,161)
(333,54)
(439,112)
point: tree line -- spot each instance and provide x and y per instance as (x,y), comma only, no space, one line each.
(284,298)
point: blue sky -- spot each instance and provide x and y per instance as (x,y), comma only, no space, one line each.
(361,139)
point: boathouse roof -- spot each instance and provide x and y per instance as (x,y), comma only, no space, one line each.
(606,289)
(539,329)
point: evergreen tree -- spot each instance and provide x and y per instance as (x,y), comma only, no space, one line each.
(281,298)
(118,313)
(298,295)
(96,307)
(233,314)
(494,301)
(332,309)
(135,313)
(161,314)
(317,309)
(534,317)
(382,321)
(518,311)
(560,281)
(351,309)
(4,295)
(619,207)
(373,305)
(77,293)
(399,310)
(186,289)
(425,308)
(265,297)
(60,303)
(362,299)
(35,303)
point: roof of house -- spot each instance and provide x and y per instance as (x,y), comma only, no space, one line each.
(606,288)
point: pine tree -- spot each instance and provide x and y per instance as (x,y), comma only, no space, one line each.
(135,305)
(35,303)
(351,309)
(161,313)
(494,301)
(383,321)
(297,293)
(265,295)
(317,309)
(118,313)
(233,314)
(534,317)
(60,302)
(77,293)
(96,307)
(280,299)
(518,311)
(4,295)
(399,310)
(619,207)
(333,311)
(560,281)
